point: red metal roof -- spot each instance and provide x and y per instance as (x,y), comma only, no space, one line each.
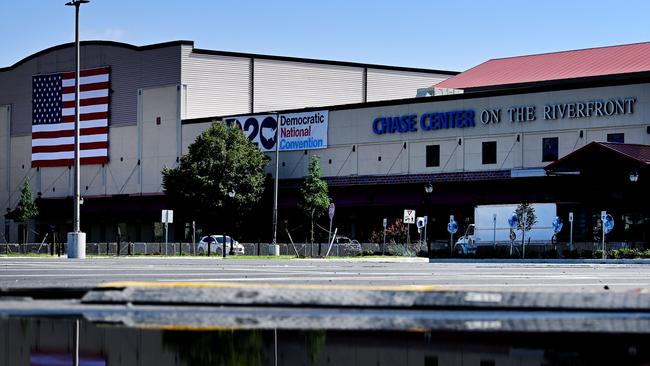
(640,153)
(600,61)
(636,154)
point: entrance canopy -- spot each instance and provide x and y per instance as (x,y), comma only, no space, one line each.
(608,160)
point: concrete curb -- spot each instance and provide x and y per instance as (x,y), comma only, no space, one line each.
(542,261)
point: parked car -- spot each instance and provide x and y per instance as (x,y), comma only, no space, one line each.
(216,243)
(351,246)
(340,239)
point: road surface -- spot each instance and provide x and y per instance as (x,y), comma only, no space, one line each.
(60,272)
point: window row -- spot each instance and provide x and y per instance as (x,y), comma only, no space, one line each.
(550,147)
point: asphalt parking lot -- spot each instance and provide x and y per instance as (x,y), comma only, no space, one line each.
(537,277)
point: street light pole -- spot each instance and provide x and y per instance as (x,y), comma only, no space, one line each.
(275,184)
(76,238)
(231,194)
(427,189)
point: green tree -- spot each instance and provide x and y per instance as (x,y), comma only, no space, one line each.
(315,200)
(527,211)
(26,208)
(219,161)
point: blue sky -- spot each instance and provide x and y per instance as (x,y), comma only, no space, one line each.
(449,35)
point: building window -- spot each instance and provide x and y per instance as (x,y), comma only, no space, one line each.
(490,152)
(616,137)
(433,155)
(549,148)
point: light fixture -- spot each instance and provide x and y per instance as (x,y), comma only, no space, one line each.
(428,188)
(77,2)
(634,176)
(231,193)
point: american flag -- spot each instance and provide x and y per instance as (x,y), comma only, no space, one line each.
(53,102)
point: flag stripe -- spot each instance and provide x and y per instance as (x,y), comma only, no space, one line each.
(66,133)
(70,125)
(86,117)
(85,102)
(86,87)
(69,154)
(102,78)
(70,140)
(85,95)
(85,110)
(69,162)
(70,147)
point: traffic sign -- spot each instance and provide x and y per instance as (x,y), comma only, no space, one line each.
(608,223)
(420,222)
(167,216)
(385,223)
(570,216)
(331,210)
(452,227)
(409,216)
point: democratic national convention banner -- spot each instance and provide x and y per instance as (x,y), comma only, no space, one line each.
(298,131)
(303,131)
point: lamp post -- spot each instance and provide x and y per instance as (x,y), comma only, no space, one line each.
(428,189)
(231,194)
(76,238)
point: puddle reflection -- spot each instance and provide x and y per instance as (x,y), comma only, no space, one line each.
(51,342)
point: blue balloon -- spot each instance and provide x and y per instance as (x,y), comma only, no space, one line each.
(452,227)
(513,221)
(609,223)
(557,224)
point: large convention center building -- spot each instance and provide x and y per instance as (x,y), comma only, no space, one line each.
(570,128)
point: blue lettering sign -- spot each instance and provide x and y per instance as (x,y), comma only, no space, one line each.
(428,121)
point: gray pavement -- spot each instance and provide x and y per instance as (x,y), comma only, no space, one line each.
(492,276)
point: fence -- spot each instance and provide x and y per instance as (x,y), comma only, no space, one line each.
(184,249)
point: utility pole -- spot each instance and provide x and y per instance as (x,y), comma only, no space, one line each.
(76,238)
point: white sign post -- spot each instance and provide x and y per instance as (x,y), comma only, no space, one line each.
(426,224)
(451,239)
(570,232)
(384,246)
(167,218)
(494,231)
(603,216)
(329,233)
(409,218)
(420,224)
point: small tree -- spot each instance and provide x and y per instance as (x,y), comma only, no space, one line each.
(528,211)
(26,208)
(395,233)
(315,200)
(219,161)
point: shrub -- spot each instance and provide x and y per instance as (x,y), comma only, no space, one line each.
(399,250)
(628,253)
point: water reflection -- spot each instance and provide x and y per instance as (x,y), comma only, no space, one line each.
(51,341)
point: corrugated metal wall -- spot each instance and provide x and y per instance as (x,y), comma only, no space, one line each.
(216,85)
(285,85)
(130,69)
(221,83)
(394,84)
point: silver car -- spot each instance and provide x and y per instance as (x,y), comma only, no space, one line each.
(216,243)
